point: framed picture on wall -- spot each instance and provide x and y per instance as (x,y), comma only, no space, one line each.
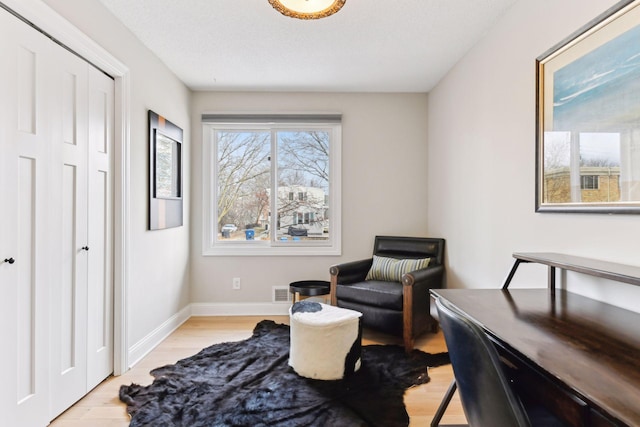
(165,173)
(588,117)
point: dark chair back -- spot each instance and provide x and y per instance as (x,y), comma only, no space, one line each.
(410,247)
(487,397)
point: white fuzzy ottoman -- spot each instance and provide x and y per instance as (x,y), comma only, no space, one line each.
(325,340)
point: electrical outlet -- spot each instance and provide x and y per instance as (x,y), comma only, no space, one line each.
(236,283)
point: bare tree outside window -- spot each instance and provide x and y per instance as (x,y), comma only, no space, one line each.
(243,177)
(244,188)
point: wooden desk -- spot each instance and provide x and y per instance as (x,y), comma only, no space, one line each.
(581,356)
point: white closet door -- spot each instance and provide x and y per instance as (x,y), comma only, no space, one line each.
(100,284)
(56,142)
(68,189)
(24,306)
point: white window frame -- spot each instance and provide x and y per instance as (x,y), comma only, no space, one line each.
(211,246)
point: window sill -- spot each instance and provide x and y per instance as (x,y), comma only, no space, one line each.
(289,250)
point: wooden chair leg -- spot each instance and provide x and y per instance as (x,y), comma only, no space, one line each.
(444,404)
(408,344)
(407,318)
(333,284)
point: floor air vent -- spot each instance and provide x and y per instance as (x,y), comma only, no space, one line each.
(281,294)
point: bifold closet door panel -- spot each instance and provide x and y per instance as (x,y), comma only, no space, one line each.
(68,216)
(100,274)
(24,149)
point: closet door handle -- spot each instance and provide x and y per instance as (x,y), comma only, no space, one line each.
(9,260)
(85,248)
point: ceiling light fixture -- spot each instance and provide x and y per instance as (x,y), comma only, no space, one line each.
(307,9)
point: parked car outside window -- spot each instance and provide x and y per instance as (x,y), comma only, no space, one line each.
(229,227)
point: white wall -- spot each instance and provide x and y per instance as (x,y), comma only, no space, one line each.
(159,274)
(383,186)
(481,142)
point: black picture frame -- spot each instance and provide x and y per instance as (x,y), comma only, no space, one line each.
(165,173)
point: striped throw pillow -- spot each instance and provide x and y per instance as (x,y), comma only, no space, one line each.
(392,269)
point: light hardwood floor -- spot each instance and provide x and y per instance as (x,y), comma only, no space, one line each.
(102,407)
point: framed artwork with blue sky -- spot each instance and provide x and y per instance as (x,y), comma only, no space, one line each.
(588,117)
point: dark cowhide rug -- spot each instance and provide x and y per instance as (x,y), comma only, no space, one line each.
(249,383)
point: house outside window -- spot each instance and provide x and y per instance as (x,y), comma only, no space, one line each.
(254,167)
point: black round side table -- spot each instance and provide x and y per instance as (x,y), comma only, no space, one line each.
(308,288)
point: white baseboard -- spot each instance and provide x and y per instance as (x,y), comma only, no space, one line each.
(151,341)
(239,309)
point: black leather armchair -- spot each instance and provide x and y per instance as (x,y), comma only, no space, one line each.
(398,308)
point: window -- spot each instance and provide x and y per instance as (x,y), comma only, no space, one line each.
(589,182)
(276,178)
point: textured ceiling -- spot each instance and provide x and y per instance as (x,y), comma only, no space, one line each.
(369,46)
